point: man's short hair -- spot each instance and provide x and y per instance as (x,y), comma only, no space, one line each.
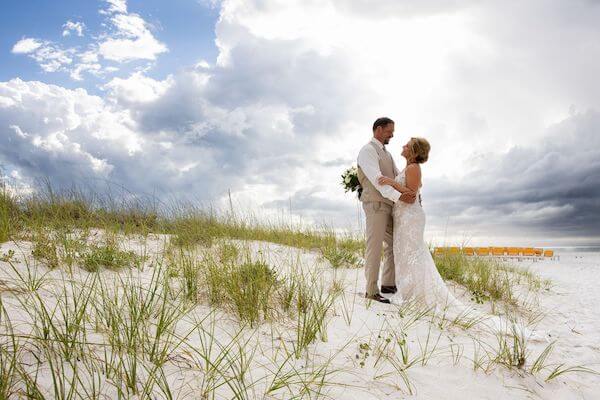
(383,121)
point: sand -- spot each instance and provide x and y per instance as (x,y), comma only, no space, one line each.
(357,332)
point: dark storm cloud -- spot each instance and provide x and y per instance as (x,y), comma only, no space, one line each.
(552,187)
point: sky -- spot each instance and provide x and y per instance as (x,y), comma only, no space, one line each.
(269,101)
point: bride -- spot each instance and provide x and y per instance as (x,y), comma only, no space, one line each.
(416,274)
(417,277)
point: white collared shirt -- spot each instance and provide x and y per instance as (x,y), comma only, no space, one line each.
(368,161)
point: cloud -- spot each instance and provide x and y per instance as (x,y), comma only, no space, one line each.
(246,126)
(71,26)
(59,133)
(50,57)
(131,40)
(137,88)
(393,9)
(314,205)
(128,38)
(289,101)
(116,6)
(26,46)
(552,188)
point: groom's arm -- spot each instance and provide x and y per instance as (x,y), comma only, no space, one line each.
(368,162)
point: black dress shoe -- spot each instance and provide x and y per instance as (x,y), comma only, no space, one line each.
(378,297)
(389,289)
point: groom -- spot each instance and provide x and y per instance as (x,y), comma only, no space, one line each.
(378,201)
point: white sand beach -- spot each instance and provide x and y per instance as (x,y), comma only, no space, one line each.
(368,350)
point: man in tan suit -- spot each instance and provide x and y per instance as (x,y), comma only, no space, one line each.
(378,201)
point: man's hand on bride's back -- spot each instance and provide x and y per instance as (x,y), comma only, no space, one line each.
(384,180)
(408,197)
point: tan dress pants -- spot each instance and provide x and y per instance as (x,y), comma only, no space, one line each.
(379,230)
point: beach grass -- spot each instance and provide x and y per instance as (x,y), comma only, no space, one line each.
(488,279)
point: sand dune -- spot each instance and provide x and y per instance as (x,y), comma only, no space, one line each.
(370,350)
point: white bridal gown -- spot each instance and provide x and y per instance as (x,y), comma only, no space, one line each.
(417,277)
(416,274)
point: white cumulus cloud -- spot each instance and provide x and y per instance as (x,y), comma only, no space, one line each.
(131,39)
(127,37)
(71,26)
(26,46)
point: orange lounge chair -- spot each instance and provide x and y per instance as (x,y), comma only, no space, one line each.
(482,251)
(529,252)
(469,251)
(498,251)
(513,251)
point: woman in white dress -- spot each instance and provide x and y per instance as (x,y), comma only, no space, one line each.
(416,274)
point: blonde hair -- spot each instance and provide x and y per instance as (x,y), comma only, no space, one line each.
(419,148)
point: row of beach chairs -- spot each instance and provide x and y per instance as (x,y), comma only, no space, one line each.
(519,253)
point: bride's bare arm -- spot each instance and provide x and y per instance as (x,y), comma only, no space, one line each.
(384,180)
(413,177)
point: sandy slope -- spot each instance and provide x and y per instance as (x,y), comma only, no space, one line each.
(573,320)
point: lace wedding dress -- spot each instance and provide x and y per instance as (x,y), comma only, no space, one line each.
(417,277)
(416,274)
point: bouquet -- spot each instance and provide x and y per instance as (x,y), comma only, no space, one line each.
(350,181)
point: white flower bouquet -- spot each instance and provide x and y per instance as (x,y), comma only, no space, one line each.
(350,181)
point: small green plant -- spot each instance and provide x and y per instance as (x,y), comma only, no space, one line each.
(107,255)
(340,257)
(363,354)
(191,275)
(45,249)
(512,348)
(540,362)
(247,288)
(487,279)
(313,305)
(9,357)
(228,253)
(9,256)
(72,246)
(8,213)
(194,230)
(562,369)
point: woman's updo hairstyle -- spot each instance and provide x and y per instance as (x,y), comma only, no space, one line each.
(420,149)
